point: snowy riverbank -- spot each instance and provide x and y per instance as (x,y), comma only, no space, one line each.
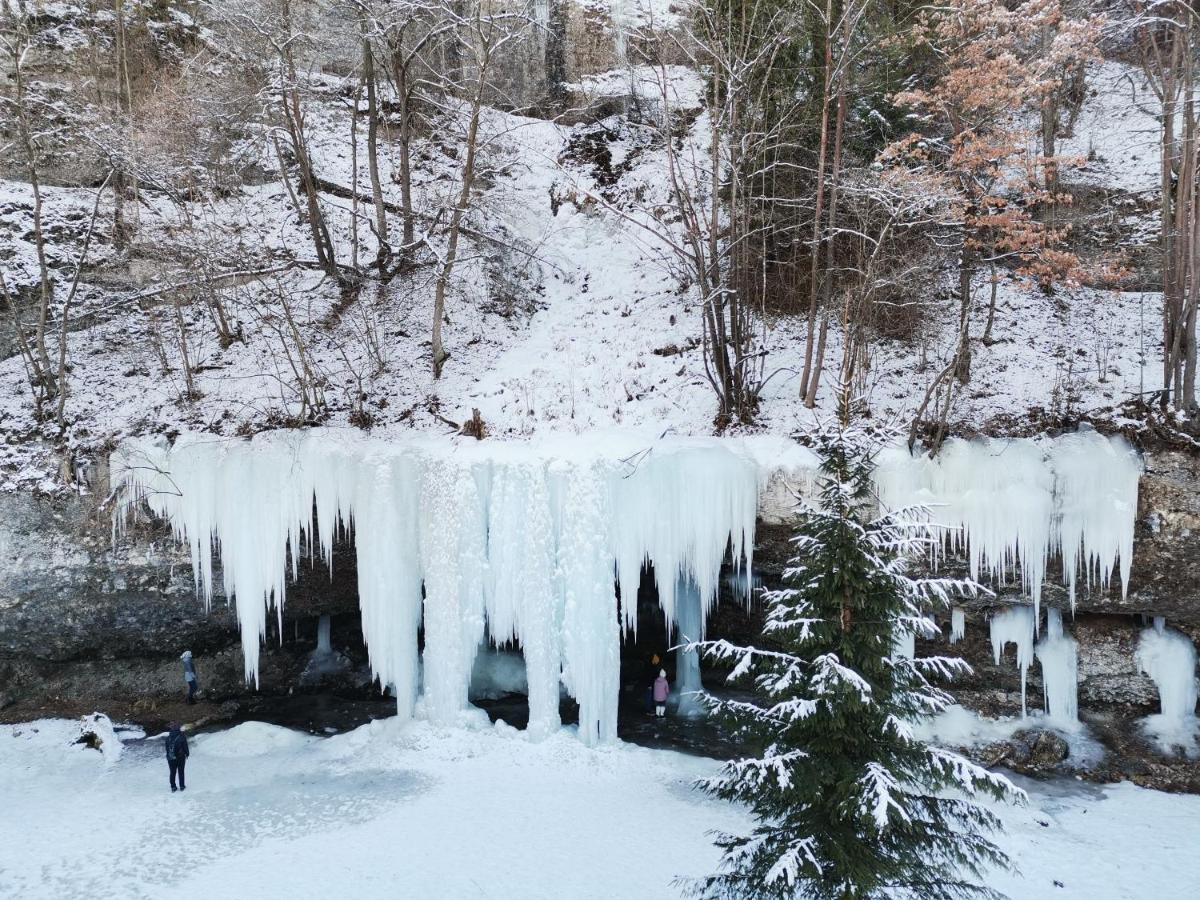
(422,812)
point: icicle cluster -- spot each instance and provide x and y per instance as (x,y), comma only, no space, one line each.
(1015,625)
(1058,654)
(522,543)
(958,624)
(1018,501)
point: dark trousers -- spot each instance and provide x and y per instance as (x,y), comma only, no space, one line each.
(176,766)
(191,697)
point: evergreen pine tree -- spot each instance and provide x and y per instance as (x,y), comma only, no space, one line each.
(848,802)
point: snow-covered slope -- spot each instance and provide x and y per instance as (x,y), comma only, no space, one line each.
(566,312)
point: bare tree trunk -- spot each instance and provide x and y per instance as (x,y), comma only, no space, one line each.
(381,227)
(460,208)
(121,230)
(991,317)
(810,399)
(60,413)
(556,53)
(404,140)
(44,371)
(819,213)
(294,120)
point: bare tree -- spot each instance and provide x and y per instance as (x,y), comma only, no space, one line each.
(1166,35)
(480,36)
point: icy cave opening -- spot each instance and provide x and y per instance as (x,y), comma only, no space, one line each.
(530,544)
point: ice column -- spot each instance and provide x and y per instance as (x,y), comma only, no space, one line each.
(523,601)
(1014,626)
(453,555)
(591,631)
(1169,658)
(1058,654)
(689,627)
(381,495)
(324,647)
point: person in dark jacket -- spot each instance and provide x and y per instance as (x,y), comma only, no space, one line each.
(189,675)
(177,754)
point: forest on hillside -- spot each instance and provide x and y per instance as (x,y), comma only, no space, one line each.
(501,217)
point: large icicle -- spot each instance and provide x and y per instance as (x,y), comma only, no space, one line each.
(1058,654)
(1014,626)
(958,624)
(591,630)
(453,556)
(523,602)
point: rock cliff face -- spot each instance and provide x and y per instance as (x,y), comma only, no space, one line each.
(84,620)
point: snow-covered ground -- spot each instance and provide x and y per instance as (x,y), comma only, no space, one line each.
(418,812)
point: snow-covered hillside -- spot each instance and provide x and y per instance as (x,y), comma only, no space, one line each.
(567,310)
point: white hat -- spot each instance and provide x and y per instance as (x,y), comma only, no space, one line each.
(662,673)
(186,654)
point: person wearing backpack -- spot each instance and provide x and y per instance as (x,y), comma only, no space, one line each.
(177,754)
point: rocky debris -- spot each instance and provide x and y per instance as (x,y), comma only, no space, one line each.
(1032,752)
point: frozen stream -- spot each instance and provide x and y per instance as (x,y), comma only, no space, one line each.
(420,812)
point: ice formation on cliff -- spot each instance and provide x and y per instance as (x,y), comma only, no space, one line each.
(1169,658)
(533,542)
(518,542)
(1013,503)
(1014,625)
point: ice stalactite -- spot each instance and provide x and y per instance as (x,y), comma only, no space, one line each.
(905,645)
(958,624)
(1160,624)
(689,627)
(1169,658)
(591,629)
(1011,504)
(1058,654)
(1014,625)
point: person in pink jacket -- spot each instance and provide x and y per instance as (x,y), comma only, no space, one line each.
(661,689)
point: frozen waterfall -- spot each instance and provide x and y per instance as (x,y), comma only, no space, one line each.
(1014,503)
(523,542)
(1169,658)
(543,543)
